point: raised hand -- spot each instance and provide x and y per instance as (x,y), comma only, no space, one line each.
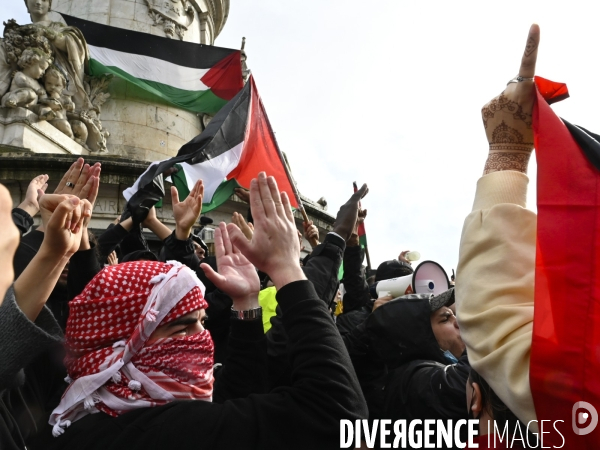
(37,187)
(242,194)
(354,240)
(247,228)
(311,233)
(186,213)
(507,118)
(112,259)
(76,181)
(64,227)
(347,215)
(402,256)
(237,277)
(274,247)
(61,239)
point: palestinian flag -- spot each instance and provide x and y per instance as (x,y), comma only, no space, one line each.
(565,356)
(236,145)
(196,77)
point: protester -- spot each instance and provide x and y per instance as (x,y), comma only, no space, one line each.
(24,314)
(321,268)
(324,388)
(497,251)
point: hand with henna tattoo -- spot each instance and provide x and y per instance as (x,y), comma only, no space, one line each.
(507,118)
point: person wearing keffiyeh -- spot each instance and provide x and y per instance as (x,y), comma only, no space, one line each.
(114,359)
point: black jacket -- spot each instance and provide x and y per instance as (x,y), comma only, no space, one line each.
(321,270)
(303,416)
(370,369)
(421,383)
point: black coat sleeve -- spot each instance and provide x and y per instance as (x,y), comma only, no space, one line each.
(245,369)
(109,240)
(22,220)
(357,291)
(322,270)
(83,266)
(323,266)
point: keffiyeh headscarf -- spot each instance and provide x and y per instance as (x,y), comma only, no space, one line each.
(111,368)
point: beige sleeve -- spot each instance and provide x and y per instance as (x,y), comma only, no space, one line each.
(495,288)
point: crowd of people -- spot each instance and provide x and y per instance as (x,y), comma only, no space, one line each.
(108,345)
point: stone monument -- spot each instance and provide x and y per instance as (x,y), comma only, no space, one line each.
(51,109)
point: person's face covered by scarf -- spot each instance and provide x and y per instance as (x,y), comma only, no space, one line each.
(135,339)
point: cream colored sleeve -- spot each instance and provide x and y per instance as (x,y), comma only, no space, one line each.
(495,288)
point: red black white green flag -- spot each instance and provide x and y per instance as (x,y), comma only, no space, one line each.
(196,77)
(236,145)
(565,353)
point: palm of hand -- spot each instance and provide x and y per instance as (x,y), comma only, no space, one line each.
(187,212)
(239,277)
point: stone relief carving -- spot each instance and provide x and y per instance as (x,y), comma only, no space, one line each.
(174,15)
(42,69)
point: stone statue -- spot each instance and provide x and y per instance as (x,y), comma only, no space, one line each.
(73,108)
(25,90)
(175,16)
(62,106)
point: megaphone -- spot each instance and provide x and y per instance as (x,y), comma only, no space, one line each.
(428,278)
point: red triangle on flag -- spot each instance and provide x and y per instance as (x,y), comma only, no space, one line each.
(261,153)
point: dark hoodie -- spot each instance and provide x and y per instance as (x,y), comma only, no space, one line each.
(421,383)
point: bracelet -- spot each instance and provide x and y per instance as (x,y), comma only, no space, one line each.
(249,314)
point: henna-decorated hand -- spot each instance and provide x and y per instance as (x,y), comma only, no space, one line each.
(508,117)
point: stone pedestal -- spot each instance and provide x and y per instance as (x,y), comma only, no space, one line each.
(19,127)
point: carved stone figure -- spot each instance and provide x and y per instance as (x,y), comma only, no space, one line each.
(72,109)
(25,90)
(175,16)
(61,106)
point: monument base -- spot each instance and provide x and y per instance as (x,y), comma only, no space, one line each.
(20,127)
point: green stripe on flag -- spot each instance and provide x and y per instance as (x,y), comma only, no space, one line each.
(221,195)
(196,101)
(363,240)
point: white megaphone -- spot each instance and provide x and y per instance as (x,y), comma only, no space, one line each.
(428,278)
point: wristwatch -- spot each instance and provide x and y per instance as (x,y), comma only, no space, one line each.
(249,314)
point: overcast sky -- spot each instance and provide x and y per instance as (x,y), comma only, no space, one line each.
(390,92)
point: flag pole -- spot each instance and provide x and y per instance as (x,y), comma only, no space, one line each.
(366,246)
(285,164)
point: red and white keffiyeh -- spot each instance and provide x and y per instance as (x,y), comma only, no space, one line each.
(110,367)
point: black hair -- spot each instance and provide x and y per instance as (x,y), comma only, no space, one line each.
(500,413)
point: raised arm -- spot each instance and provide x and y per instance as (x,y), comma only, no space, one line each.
(62,238)
(494,295)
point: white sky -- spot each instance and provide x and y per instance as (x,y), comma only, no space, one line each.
(389,93)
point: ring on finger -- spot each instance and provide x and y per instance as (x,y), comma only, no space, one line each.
(519,79)
(69,184)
